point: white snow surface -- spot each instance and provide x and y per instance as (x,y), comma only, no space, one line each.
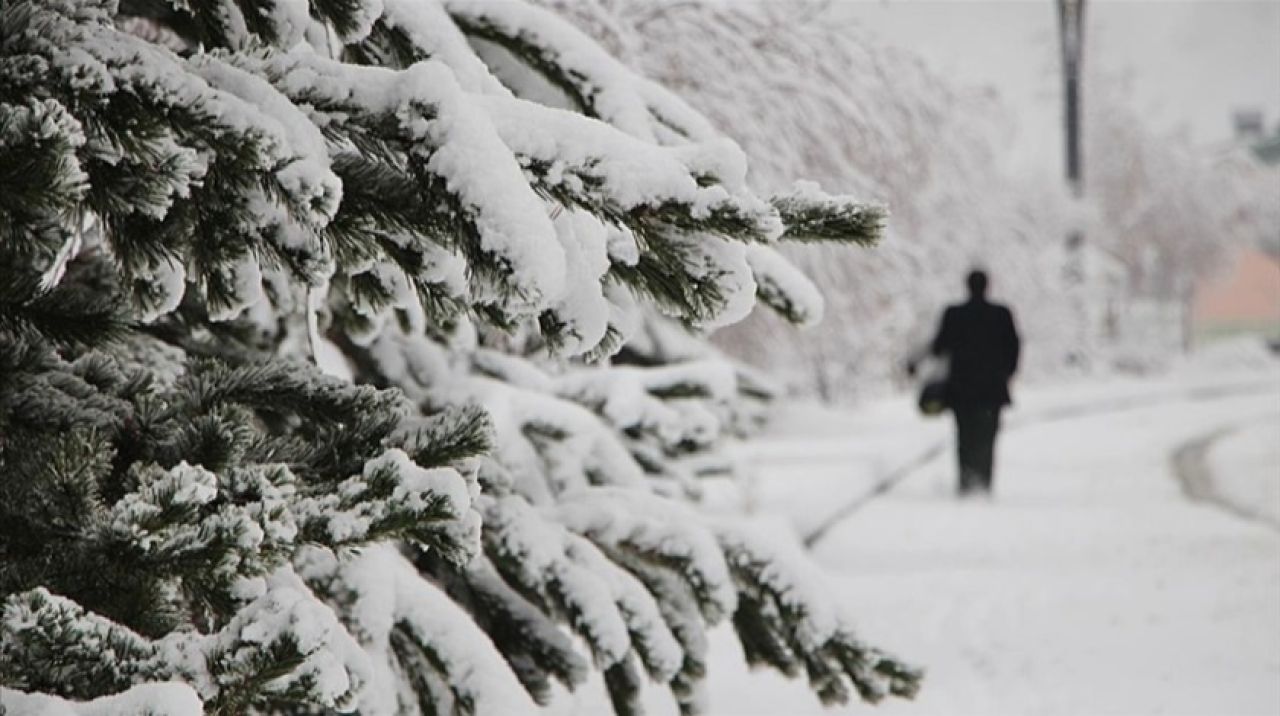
(1245,466)
(1090,584)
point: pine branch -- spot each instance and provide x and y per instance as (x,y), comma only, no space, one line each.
(531,642)
(447,437)
(66,315)
(777,626)
(42,182)
(810,215)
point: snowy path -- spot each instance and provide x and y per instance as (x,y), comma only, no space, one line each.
(1091,585)
(938,445)
(1239,468)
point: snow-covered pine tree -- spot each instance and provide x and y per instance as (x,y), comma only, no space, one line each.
(307,402)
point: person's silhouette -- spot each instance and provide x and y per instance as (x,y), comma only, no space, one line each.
(981,345)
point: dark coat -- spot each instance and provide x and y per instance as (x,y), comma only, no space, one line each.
(981,344)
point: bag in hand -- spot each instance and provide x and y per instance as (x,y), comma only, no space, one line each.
(933,400)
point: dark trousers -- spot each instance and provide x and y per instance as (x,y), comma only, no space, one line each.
(976,428)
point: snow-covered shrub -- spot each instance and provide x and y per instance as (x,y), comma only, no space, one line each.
(315,385)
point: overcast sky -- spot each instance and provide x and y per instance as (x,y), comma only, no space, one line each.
(1190,63)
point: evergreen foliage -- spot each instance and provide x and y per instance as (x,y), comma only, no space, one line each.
(327,381)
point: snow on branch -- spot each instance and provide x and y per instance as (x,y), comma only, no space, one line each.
(655,400)
(587,163)
(411,627)
(393,497)
(784,620)
(813,215)
(658,529)
(285,636)
(447,146)
(601,86)
(155,698)
(785,288)
(552,445)
(533,643)
(410,31)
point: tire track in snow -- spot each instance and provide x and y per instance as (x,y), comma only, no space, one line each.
(927,455)
(1190,465)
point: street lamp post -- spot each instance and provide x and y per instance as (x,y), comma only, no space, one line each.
(1071,36)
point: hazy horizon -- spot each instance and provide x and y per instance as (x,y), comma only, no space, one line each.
(1190,64)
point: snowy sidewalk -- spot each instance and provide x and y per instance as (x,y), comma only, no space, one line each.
(1090,585)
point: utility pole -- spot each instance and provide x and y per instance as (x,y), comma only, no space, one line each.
(1071,36)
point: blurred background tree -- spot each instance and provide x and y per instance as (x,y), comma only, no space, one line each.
(810,92)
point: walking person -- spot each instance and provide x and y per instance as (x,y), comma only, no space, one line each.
(980,342)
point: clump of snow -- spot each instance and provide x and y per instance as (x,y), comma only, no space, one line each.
(720,159)
(780,282)
(582,307)
(159,493)
(622,246)
(333,668)
(361,19)
(388,593)
(468,659)
(416,483)
(628,397)
(628,172)
(413,362)
(791,576)
(541,549)
(243,278)
(635,105)
(353,510)
(167,282)
(574,448)
(512,370)
(307,179)
(429,28)
(648,632)
(626,315)
(712,258)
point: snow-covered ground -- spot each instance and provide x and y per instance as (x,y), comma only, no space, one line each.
(1245,466)
(1090,584)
